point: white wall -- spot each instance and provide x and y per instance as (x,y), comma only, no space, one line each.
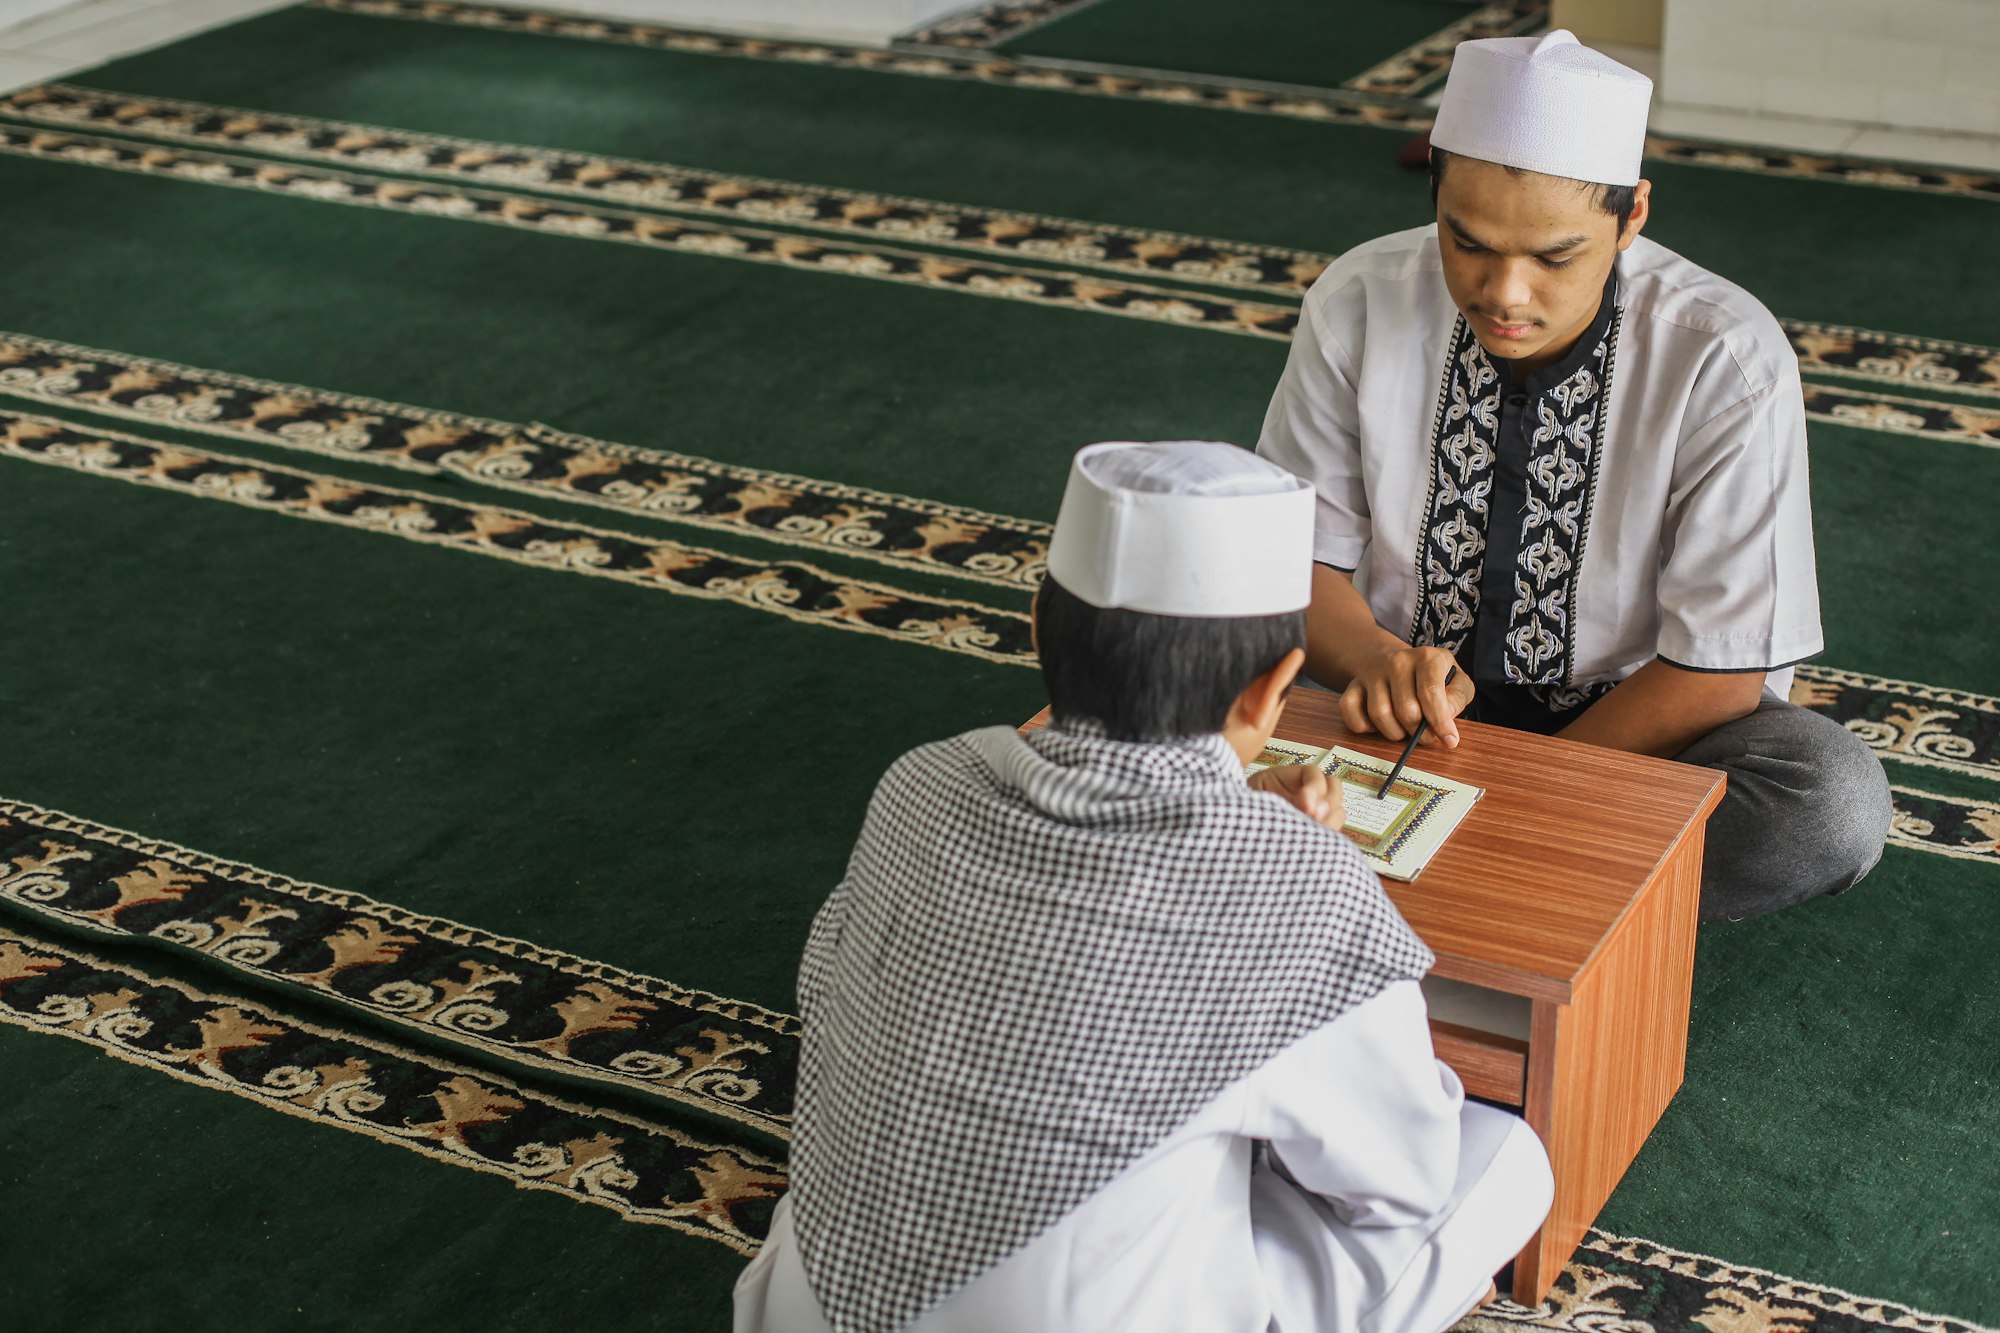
(868,22)
(1915,64)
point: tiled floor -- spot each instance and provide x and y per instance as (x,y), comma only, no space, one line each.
(46,39)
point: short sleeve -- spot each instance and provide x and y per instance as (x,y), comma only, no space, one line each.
(1738,586)
(1313,430)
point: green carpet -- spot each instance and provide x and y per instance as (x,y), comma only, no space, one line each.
(668,780)
(1281,41)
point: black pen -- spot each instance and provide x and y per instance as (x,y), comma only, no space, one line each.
(1415,736)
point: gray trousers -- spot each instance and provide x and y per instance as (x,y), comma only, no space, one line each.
(1806,812)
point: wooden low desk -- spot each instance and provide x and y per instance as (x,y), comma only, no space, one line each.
(1573,886)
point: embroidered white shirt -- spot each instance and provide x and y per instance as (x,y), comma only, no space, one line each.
(1693,539)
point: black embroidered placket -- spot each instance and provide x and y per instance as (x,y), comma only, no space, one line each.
(1515,605)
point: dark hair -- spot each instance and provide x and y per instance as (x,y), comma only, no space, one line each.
(1152,678)
(1617,200)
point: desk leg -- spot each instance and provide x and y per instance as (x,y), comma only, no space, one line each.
(1602,1068)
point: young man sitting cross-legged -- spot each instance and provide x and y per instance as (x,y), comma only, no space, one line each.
(1099,1036)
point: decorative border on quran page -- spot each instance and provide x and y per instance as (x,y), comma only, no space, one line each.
(1432,807)
(1423,799)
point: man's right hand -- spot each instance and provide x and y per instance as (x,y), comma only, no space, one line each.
(1403,686)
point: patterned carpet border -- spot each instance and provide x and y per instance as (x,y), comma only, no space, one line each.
(643,1172)
(1622,1284)
(666,187)
(896,530)
(535,1005)
(1909,721)
(1277,271)
(1420,67)
(1954,826)
(1330,105)
(1326,106)
(988,26)
(1906,721)
(796,591)
(1926,419)
(534,213)
(654,1174)
(1916,178)
(1896,358)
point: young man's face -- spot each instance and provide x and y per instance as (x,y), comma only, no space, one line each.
(1526,256)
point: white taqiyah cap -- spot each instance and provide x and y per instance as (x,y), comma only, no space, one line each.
(1185,528)
(1547,104)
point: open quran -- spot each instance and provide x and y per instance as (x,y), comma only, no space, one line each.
(1399,831)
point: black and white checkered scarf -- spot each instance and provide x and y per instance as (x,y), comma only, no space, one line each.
(1047,955)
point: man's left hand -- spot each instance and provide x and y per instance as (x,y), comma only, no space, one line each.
(1305,787)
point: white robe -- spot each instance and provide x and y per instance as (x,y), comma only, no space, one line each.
(1699,545)
(1407,1200)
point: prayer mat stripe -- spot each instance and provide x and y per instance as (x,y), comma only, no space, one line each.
(984,28)
(535,213)
(1954,826)
(1906,721)
(531,1004)
(1625,1284)
(1419,68)
(1824,349)
(1829,350)
(534,459)
(643,1172)
(654,1174)
(1955,423)
(1895,358)
(796,591)
(1909,721)
(1329,106)
(665,187)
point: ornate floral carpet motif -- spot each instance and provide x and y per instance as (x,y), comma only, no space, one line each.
(647,1173)
(109,880)
(796,591)
(1906,721)
(1620,1284)
(1917,364)
(1331,105)
(1420,68)
(527,212)
(533,459)
(513,777)
(659,185)
(533,1005)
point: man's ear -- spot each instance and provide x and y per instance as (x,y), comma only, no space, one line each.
(1642,208)
(1263,699)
